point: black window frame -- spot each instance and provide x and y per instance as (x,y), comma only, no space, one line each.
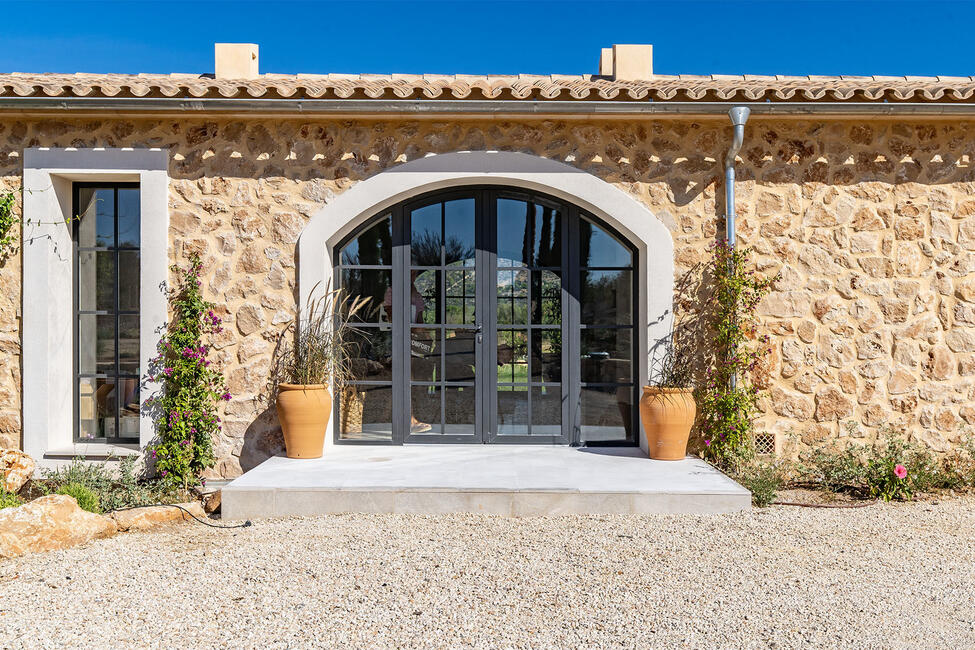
(77,375)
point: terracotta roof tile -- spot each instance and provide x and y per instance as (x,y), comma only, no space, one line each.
(511,87)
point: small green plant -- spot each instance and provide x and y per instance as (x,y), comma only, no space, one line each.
(9,499)
(763,480)
(7,221)
(86,498)
(191,387)
(728,399)
(118,488)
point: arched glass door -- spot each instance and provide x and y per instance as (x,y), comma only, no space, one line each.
(497,315)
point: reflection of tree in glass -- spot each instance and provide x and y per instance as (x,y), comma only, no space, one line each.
(426,249)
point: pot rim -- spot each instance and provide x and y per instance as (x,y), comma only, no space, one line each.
(666,390)
(282,387)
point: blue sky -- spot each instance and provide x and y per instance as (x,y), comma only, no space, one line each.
(789,37)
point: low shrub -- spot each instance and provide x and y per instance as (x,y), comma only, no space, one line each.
(9,499)
(763,480)
(86,498)
(892,469)
(119,488)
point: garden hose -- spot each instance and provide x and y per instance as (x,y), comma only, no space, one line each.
(824,505)
(247,522)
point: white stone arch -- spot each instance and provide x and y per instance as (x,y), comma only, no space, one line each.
(628,216)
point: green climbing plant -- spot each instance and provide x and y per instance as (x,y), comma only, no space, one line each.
(727,398)
(192,387)
(8,238)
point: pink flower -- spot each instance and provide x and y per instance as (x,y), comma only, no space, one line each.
(900,471)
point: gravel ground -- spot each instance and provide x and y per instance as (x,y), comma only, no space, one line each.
(899,575)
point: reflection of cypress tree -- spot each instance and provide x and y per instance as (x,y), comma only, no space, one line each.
(375,245)
(529,235)
(585,241)
(545,246)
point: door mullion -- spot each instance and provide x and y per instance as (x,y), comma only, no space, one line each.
(400,325)
(571,359)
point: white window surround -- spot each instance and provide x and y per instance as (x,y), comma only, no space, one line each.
(48,317)
(628,216)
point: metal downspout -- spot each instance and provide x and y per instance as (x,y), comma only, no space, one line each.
(739,115)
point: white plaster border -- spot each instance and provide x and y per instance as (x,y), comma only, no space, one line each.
(48,334)
(632,219)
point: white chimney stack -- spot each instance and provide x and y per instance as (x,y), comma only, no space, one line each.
(235,61)
(626,62)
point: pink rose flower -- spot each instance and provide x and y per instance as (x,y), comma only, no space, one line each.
(900,471)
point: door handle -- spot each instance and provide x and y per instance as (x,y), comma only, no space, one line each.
(477,330)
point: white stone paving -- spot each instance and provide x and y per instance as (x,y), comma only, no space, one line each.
(501,479)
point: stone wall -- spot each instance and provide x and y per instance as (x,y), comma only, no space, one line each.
(871,226)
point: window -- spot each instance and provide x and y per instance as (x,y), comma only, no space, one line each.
(106,233)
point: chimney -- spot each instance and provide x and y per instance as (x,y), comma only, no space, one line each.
(627,62)
(235,61)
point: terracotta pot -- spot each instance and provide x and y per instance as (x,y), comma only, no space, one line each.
(667,415)
(304,411)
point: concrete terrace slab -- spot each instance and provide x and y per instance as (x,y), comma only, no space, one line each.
(514,480)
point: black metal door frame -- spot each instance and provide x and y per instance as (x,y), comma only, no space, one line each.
(486,326)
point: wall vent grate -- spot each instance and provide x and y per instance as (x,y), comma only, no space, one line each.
(765,444)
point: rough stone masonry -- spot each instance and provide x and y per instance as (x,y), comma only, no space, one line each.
(870,227)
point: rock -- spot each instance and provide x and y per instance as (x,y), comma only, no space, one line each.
(940,364)
(832,405)
(900,382)
(49,523)
(16,468)
(250,318)
(149,517)
(212,503)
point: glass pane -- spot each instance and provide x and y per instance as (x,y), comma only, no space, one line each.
(374,246)
(128,345)
(459,358)
(459,294)
(513,410)
(512,356)
(96,344)
(425,409)
(96,213)
(424,296)
(459,409)
(366,413)
(548,237)
(426,235)
(546,355)
(129,219)
(546,298)
(514,232)
(607,355)
(599,248)
(128,280)
(546,411)
(607,298)
(424,354)
(528,234)
(459,232)
(374,285)
(96,281)
(512,289)
(96,408)
(128,408)
(372,354)
(606,413)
